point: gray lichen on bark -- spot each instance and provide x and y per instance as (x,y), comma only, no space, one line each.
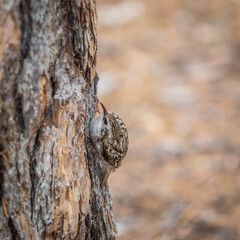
(49,171)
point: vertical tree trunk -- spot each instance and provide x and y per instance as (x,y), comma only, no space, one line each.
(49,172)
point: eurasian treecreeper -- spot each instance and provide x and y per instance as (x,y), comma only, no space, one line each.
(110,138)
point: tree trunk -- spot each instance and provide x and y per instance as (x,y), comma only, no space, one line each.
(49,172)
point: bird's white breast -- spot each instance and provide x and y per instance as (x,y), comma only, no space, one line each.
(95,131)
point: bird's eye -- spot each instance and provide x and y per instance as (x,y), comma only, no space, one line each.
(105,121)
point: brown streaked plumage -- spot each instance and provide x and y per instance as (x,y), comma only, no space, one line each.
(110,137)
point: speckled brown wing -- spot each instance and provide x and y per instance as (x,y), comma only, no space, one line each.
(115,143)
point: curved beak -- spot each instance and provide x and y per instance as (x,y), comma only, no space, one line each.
(104,109)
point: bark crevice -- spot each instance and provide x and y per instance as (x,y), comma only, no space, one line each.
(26,29)
(13,229)
(33,176)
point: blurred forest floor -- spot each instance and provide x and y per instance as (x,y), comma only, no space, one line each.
(171,69)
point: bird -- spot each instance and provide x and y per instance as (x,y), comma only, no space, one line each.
(109,136)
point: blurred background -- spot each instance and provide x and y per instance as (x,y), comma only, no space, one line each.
(170,69)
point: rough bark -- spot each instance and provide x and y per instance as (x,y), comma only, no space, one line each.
(49,171)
